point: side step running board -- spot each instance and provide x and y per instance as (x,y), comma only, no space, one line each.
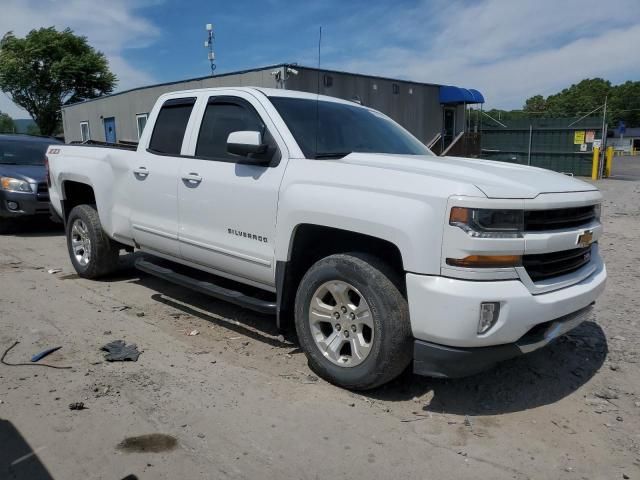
(208,288)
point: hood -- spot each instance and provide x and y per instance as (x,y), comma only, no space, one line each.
(29,173)
(495,179)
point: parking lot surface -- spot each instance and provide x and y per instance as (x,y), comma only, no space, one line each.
(220,395)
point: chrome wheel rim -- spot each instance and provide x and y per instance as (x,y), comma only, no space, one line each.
(80,242)
(341,323)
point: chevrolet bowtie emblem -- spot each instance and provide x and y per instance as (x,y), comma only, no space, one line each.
(585,238)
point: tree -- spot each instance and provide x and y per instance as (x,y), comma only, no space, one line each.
(48,69)
(535,104)
(579,98)
(624,105)
(623,101)
(6,124)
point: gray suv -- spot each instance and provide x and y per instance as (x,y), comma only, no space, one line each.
(23,182)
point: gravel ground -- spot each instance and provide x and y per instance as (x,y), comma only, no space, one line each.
(237,401)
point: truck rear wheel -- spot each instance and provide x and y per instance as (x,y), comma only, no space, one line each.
(353,322)
(93,254)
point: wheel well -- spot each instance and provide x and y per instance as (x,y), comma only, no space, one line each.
(313,242)
(76,193)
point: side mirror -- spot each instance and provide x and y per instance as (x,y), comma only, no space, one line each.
(245,143)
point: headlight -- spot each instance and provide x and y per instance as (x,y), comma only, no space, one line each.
(14,185)
(488,223)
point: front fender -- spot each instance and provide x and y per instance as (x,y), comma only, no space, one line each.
(410,223)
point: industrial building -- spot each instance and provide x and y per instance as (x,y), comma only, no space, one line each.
(436,114)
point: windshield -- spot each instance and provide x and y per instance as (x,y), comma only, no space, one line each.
(342,129)
(22,152)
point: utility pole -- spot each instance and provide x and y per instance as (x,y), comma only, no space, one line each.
(604,138)
(530,138)
(208,43)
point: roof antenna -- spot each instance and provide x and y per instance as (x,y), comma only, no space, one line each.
(318,93)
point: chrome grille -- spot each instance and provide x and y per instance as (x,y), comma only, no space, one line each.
(548,265)
(558,219)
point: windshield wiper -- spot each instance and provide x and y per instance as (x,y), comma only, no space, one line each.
(332,154)
(8,163)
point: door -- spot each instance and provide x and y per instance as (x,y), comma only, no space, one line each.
(448,127)
(110,130)
(153,180)
(227,209)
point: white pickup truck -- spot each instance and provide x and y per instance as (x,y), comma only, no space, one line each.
(330,215)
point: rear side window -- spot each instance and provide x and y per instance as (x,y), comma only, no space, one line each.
(223,116)
(168,131)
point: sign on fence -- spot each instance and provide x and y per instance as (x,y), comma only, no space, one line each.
(590,136)
(578,137)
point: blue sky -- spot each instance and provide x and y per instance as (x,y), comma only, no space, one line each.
(508,49)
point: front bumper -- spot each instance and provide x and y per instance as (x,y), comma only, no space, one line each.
(29,203)
(446,311)
(436,360)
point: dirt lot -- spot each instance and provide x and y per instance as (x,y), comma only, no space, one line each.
(242,403)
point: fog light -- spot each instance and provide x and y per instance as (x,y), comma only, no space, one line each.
(489,313)
(12,205)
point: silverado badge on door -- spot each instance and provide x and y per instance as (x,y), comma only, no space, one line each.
(585,239)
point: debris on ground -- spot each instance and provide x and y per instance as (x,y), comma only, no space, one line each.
(77,406)
(193,333)
(119,351)
(120,308)
(6,352)
(44,353)
(52,271)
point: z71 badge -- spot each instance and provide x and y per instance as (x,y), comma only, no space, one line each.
(585,239)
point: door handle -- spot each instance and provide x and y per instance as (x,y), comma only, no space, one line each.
(193,179)
(141,172)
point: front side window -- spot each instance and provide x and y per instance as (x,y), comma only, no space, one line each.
(170,126)
(223,116)
(84,132)
(333,130)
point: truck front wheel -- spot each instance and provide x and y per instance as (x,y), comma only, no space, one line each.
(353,322)
(93,254)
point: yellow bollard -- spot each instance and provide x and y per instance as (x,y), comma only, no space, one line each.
(595,165)
(608,164)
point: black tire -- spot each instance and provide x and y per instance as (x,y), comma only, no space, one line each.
(392,345)
(104,251)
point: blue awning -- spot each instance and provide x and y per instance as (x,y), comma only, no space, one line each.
(450,94)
